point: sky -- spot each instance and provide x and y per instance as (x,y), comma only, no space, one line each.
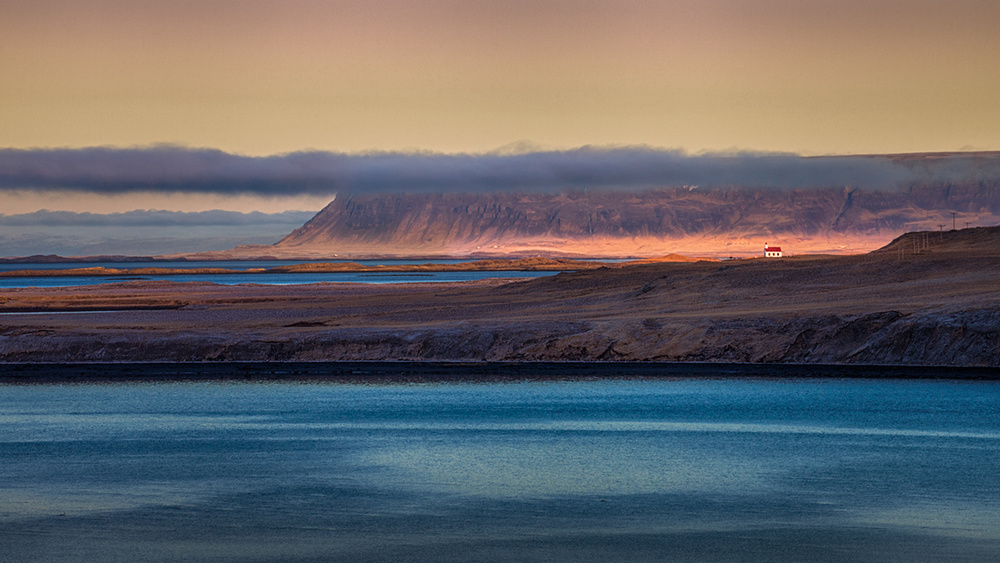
(263,77)
(259,78)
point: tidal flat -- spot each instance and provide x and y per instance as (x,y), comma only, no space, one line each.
(559,468)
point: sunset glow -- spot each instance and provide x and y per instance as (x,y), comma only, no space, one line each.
(264,77)
(397,95)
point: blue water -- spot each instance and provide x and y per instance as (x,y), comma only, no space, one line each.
(241,264)
(273,279)
(592,470)
(268,279)
(228,264)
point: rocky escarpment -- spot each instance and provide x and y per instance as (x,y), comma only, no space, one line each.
(469,223)
(960,338)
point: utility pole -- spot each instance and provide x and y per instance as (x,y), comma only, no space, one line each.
(941,227)
(953,214)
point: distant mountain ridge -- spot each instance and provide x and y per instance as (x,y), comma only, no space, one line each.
(861,212)
(646,222)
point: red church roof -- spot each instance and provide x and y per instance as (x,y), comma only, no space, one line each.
(772,249)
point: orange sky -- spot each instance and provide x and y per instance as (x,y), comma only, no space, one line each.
(271,76)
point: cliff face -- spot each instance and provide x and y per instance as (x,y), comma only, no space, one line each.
(572,222)
(957,338)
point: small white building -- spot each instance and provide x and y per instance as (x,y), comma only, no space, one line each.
(772,251)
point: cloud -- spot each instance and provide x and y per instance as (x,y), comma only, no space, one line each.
(66,244)
(156,218)
(176,169)
(141,232)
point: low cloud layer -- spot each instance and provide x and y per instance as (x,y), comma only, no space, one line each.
(174,169)
(156,218)
(141,233)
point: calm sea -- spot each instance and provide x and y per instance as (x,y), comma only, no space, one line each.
(569,470)
(267,279)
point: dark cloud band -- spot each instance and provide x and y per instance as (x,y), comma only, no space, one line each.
(175,169)
(157,218)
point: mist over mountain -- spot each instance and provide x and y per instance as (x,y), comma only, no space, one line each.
(180,170)
(590,201)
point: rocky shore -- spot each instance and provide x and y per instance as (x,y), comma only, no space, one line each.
(961,338)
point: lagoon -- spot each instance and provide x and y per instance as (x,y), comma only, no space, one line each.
(555,469)
(257,278)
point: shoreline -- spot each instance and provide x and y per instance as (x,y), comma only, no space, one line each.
(525,264)
(937,306)
(388,372)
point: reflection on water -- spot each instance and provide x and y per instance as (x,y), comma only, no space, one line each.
(680,470)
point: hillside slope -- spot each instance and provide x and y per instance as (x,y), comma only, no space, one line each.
(938,306)
(720,222)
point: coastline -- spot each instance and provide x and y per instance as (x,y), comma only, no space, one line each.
(934,306)
(408,372)
(521,264)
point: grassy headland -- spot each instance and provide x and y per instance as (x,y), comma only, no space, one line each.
(925,299)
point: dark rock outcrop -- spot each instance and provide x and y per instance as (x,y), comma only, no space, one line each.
(962,338)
